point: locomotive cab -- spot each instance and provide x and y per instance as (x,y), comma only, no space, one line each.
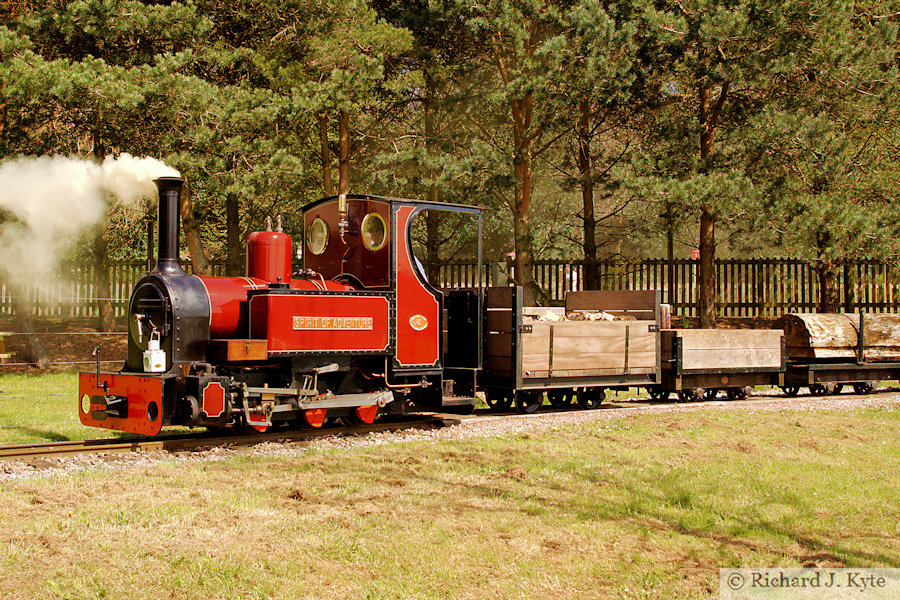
(367,241)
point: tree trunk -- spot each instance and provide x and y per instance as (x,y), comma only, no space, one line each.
(591,270)
(234,265)
(344,160)
(433,245)
(199,262)
(707,274)
(36,354)
(670,255)
(102,287)
(706,277)
(827,274)
(521,206)
(432,218)
(100,248)
(828,288)
(325,153)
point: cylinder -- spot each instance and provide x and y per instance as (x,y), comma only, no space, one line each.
(168,260)
(269,256)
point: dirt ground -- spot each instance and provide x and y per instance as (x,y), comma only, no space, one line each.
(680,322)
(69,345)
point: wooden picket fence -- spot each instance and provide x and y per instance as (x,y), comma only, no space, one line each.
(746,288)
(757,287)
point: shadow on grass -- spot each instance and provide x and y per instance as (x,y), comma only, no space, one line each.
(671,507)
(661,506)
(41,434)
(38,436)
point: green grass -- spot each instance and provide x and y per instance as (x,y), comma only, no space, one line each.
(648,506)
(42,409)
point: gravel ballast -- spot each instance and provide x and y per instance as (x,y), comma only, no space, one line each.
(475,426)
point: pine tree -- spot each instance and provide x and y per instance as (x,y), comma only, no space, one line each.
(822,153)
(730,62)
(600,84)
(87,70)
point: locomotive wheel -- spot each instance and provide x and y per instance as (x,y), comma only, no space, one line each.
(498,401)
(790,390)
(251,425)
(711,394)
(687,396)
(864,387)
(367,414)
(591,398)
(529,401)
(250,428)
(737,393)
(658,394)
(314,417)
(361,415)
(560,398)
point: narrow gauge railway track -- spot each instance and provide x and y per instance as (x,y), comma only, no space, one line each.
(673,402)
(185,442)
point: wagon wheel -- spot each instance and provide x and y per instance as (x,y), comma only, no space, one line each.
(710,394)
(590,398)
(790,390)
(737,393)
(837,389)
(863,387)
(658,394)
(687,396)
(498,401)
(821,389)
(560,398)
(529,401)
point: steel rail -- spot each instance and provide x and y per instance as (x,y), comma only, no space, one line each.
(186,442)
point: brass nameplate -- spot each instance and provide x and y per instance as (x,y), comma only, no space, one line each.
(332,323)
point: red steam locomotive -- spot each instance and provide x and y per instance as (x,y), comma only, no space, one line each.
(356,332)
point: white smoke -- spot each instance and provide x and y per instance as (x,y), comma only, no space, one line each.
(49,202)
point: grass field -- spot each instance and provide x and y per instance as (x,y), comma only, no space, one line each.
(649,506)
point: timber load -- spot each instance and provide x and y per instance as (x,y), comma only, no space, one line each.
(830,336)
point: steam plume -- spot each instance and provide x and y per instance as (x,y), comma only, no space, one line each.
(49,202)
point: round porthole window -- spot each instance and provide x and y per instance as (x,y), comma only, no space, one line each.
(374,231)
(317,236)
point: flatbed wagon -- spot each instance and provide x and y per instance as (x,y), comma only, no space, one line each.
(699,363)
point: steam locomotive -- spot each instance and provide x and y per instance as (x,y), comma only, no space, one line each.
(356,332)
(359,331)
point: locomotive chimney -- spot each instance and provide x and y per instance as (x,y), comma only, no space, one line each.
(168,261)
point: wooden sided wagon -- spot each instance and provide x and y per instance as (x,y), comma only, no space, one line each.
(526,356)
